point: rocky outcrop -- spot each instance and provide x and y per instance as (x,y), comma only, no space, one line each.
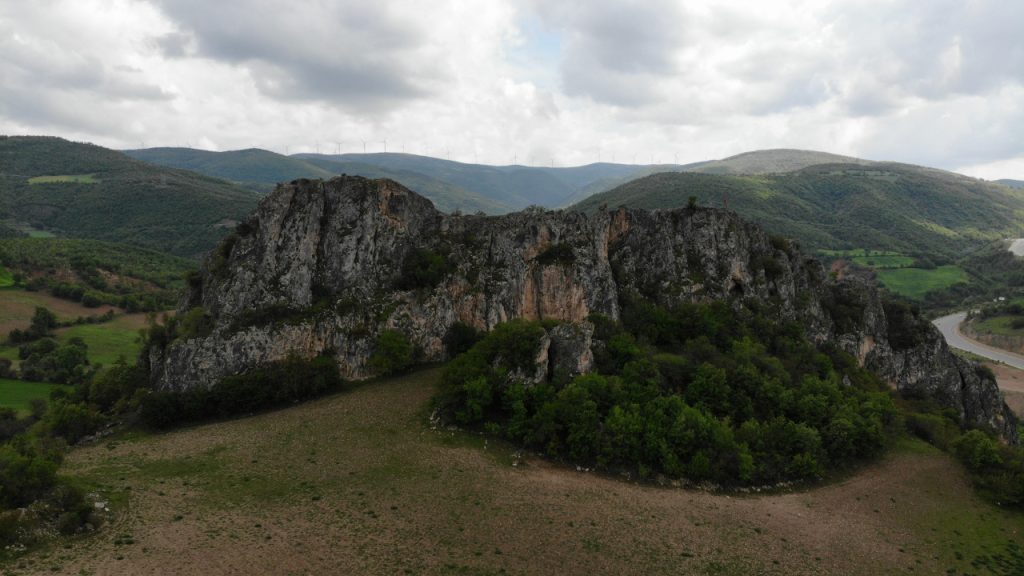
(324,267)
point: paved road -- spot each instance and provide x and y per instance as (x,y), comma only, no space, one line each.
(950,328)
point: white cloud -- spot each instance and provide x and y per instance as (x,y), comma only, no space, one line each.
(936,83)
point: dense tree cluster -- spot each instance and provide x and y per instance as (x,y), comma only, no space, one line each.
(278,384)
(703,392)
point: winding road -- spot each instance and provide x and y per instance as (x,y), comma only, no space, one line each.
(950,328)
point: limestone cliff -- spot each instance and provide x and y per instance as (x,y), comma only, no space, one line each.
(318,268)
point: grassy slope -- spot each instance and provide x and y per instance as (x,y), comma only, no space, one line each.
(17,394)
(133,202)
(1001,325)
(357,483)
(906,209)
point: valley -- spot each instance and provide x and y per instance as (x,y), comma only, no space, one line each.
(511,288)
(377,479)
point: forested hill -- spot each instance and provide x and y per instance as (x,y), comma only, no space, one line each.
(253,168)
(261,170)
(467,187)
(85,191)
(881,206)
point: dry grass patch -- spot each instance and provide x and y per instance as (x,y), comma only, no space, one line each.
(358,484)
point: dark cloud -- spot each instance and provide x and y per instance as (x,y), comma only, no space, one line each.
(359,55)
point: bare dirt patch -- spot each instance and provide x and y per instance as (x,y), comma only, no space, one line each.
(1011,382)
(358,484)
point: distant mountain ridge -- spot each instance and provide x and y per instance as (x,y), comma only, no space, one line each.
(1018,184)
(252,167)
(463,186)
(81,190)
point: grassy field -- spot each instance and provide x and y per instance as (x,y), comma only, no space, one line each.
(17,394)
(358,483)
(6,278)
(916,282)
(110,340)
(65,179)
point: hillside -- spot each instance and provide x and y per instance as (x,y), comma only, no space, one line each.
(1018,184)
(253,168)
(884,206)
(95,272)
(773,161)
(261,170)
(463,186)
(513,187)
(357,483)
(85,191)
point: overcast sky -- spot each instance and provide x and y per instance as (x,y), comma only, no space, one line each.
(936,82)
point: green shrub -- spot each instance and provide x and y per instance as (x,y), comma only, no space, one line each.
(393,353)
(25,474)
(196,323)
(72,421)
(422,268)
(460,338)
(47,360)
(977,451)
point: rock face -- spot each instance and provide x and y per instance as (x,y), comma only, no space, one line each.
(324,267)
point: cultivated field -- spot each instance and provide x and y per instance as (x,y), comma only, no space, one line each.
(17,307)
(17,393)
(358,483)
(65,179)
(916,282)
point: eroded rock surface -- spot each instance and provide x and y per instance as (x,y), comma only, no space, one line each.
(318,268)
